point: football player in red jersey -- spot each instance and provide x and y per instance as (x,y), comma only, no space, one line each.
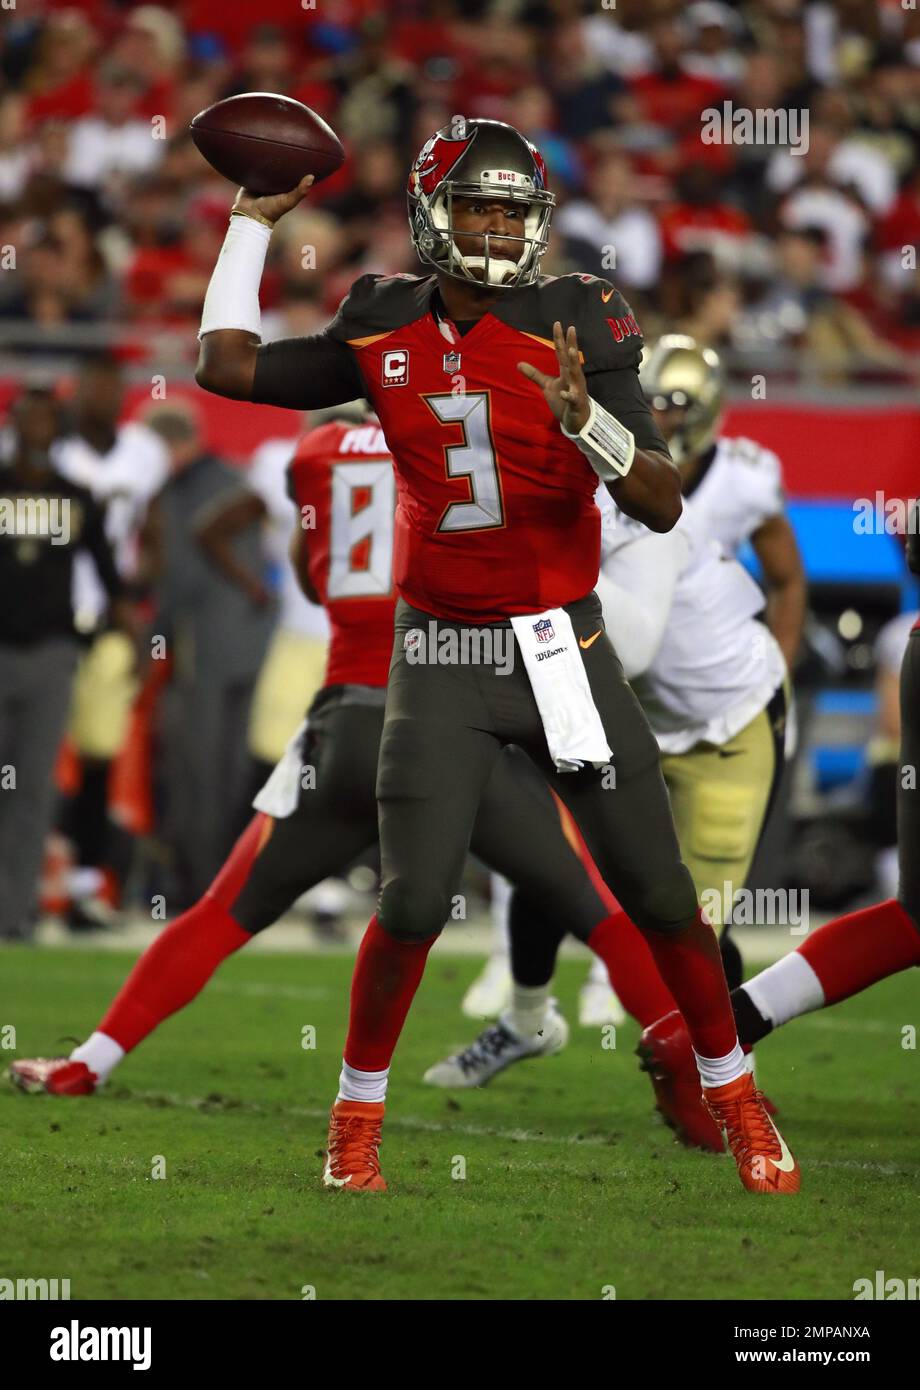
(318,810)
(503,395)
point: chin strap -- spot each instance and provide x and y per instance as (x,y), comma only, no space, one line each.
(479,263)
(608,446)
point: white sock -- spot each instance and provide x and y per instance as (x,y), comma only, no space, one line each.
(718,1071)
(100,1053)
(501,906)
(367,1086)
(528,1009)
(597,975)
(785,989)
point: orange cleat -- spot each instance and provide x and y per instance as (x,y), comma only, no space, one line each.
(760,1151)
(667,1056)
(352,1160)
(56,1076)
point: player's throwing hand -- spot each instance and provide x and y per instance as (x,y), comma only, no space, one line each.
(565,394)
(271,206)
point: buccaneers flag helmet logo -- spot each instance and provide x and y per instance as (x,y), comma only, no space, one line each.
(435,160)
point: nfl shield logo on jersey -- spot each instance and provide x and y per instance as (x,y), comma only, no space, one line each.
(451,362)
(544,630)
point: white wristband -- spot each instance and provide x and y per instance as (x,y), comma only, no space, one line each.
(232,300)
(608,446)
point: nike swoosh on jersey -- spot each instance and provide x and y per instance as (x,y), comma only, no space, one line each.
(591,640)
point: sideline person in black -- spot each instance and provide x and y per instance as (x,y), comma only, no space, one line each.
(44,522)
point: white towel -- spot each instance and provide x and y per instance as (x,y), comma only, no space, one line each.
(573,728)
(281,793)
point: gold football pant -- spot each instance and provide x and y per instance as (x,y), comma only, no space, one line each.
(720,797)
(104,692)
(291,674)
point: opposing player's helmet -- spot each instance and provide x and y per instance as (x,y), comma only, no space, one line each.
(469,158)
(677,371)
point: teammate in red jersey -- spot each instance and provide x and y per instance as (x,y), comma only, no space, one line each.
(318,810)
(833,963)
(503,395)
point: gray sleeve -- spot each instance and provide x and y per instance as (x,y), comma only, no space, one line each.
(306,373)
(619,392)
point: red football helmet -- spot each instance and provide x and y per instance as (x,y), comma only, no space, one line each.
(476,157)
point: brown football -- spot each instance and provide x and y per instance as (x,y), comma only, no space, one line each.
(266,143)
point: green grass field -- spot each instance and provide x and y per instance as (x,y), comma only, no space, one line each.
(571,1186)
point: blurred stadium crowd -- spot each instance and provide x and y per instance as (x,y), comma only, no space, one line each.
(798,265)
(118,219)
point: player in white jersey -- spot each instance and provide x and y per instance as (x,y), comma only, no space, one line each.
(684,619)
(732,485)
(123,466)
(734,488)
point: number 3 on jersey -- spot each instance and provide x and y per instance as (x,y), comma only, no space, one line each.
(473,459)
(361,530)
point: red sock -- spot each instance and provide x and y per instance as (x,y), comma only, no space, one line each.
(858,950)
(691,967)
(387,973)
(178,964)
(634,976)
(172,970)
(651,971)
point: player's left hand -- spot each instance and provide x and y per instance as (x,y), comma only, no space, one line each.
(565,394)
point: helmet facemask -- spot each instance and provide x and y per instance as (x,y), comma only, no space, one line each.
(496,272)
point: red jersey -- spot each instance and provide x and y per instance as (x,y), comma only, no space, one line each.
(341,479)
(495,506)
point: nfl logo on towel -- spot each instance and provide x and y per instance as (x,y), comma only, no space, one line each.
(544,630)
